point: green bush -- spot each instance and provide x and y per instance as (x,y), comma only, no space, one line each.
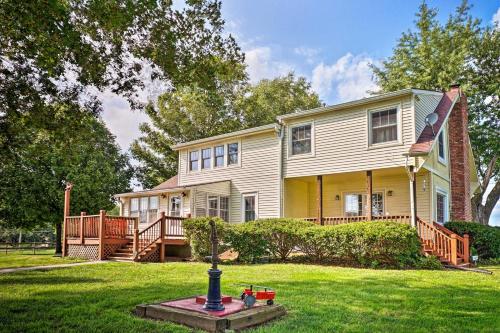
(370,244)
(282,234)
(430,262)
(486,239)
(248,240)
(197,231)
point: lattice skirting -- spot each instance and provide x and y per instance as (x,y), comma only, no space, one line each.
(153,256)
(90,252)
(110,249)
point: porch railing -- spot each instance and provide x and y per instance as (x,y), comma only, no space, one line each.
(336,220)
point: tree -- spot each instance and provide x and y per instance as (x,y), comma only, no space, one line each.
(73,146)
(192,113)
(436,56)
(261,103)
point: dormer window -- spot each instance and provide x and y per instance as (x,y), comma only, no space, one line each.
(384,125)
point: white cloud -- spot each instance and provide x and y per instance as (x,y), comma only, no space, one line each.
(496,19)
(349,78)
(262,65)
(307,52)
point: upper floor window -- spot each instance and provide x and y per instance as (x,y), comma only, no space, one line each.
(441,148)
(206,157)
(232,153)
(219,156)
(193,161)
(384,126)
(301,139)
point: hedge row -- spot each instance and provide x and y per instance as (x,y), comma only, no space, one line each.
(362,244)
(483,238)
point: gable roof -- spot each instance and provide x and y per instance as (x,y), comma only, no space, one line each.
(426,139)
(172,182)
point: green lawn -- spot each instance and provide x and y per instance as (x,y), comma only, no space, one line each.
(98,298)
(27,259)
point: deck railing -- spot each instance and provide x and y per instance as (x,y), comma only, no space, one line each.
(336,220)
(119,226)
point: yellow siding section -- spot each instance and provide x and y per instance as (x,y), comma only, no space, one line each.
(424,104)
(300,193)
(258,172)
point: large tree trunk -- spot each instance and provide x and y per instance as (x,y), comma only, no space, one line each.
(481,213)
(58,238)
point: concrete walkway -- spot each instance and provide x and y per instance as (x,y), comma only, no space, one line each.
(47,267)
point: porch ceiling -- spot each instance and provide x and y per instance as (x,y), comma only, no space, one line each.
(333,178)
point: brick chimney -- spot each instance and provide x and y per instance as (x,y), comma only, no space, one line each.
(461,208)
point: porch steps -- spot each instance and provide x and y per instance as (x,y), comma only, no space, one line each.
(126,252)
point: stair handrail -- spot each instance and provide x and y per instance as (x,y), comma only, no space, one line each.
(462,242)
(437,240)
(145,238)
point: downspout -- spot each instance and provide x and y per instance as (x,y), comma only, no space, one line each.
(280,131)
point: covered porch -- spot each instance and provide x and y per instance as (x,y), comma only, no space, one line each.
(394,194)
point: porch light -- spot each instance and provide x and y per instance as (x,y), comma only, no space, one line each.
(389,193)
(424,185)
(183,194)
(337,197)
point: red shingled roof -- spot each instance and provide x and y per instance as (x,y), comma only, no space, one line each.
(426,138)
(169,183)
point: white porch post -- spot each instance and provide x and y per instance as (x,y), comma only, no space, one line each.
(412,198)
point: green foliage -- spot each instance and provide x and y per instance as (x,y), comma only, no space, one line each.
(314,243)
(485,239)
(248,240)
(429,262)
(193,112)
(436,55)
(281,234)
(197,231)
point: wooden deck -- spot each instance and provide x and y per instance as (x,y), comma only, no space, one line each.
(103,236)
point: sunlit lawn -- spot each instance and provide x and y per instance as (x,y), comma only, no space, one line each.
(26,258)
(318,299)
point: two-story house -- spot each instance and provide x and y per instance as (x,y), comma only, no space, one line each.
(329,164)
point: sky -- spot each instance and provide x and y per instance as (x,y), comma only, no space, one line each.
(331,43)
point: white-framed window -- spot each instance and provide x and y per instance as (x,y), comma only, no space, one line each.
(193,160)
(301,141)
(232,153)
(134,206)
(383,125)
(146,208)
(224,208)
(153,209)
(441,206)
(355,204)
(143,204)
(219,156)
(206,158)
(441,147)
(213,206)
(175,205)
(250,203)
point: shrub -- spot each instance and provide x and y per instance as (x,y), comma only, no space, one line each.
(364,243)
(197,231)
(430,262)
(282,234)
(248,240)
(486,239)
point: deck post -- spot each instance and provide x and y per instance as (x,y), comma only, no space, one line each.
(466,249)
(102,220)
(453,249)
(162,236)
(67,195)
(369,192)
(82,227)
(319,199)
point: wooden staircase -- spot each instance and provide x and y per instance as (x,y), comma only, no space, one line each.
(125,253)
(451,249)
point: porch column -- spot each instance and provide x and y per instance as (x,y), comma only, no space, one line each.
(121,206)
(67,195)
(102,230)
(413,197)
(369,191)
(319,199)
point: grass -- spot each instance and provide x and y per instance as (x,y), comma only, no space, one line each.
(28,259)
(97,298)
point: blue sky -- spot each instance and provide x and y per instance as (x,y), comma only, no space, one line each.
(331,43)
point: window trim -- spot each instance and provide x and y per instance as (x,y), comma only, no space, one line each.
(218,197)
(210,149)
(442,160)
(446,216)
(249,194)
(138,211)
(198,169)
(227,154)
(181,206)
(290,154)
(215,156)
(399,127)
(199,150)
